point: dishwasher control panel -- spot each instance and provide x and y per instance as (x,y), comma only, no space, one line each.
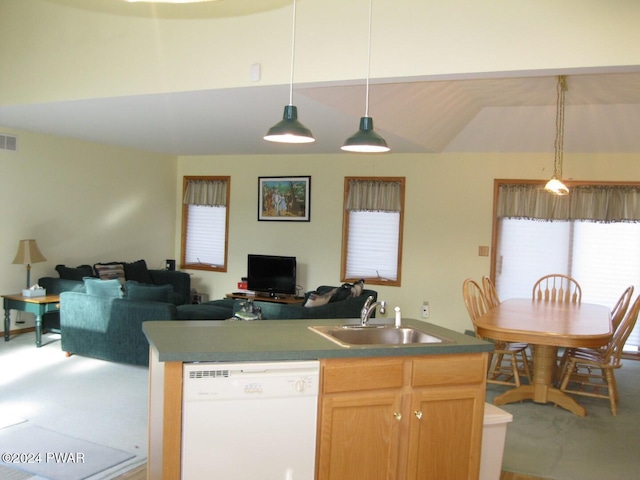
(211,381)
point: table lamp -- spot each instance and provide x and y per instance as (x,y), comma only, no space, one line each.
(28,253)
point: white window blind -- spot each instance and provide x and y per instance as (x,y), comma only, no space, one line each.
(527,250)
(606,259)
(603,257)
(372,247)
(205,235)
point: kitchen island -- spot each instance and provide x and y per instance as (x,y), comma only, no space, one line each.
(444,381)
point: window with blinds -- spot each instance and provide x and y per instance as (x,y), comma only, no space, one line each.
(205,223)
(205,242)
(372,230)
(603,257)
(593,236)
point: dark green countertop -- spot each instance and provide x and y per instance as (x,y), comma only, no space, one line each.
(273,340)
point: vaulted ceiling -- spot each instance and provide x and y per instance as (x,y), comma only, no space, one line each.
(507,114)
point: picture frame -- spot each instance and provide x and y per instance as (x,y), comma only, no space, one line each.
(284,199)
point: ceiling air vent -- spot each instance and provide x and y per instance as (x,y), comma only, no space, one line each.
(8,142)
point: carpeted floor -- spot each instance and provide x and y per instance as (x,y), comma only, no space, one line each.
(550,442)
(106,403)
(90,400)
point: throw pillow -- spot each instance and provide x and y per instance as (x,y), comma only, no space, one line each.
(316,299)
(78,273)
(103,288)
(150,293)
(137,271)
(110,271)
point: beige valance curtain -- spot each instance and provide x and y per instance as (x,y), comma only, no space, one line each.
(597,203)
(211,193)
(374,196)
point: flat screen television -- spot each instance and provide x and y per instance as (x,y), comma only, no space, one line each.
(271,274)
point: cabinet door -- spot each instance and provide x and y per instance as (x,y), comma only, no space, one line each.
(445,433)
(359,435)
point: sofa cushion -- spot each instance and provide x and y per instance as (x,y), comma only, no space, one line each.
(151,293)
(77,273)
(103,288)
(110,271)
(213,310)
(316,299)
(137,271)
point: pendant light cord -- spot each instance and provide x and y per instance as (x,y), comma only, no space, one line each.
(293,53)
(559,143)
(366,101)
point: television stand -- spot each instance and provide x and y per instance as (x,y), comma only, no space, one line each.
(278,299)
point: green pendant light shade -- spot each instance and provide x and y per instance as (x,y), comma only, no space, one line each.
(365,140)
(289,129)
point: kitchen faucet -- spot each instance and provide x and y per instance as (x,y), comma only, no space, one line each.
(368,309)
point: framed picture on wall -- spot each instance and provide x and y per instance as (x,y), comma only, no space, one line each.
(284,199)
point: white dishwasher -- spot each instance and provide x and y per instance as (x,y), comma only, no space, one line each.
(249,421)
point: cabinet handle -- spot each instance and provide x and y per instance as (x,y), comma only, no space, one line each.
(398,416)
(418,414)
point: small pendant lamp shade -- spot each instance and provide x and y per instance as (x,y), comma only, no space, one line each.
(555,185)
(365,140)
(289,129)
(28,253)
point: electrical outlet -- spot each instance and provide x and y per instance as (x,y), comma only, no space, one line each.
(425,309)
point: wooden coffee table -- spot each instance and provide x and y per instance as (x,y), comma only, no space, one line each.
(36,305)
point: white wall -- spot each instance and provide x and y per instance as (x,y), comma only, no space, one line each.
(449,204)
(83,203)
(73,49)
(87,202)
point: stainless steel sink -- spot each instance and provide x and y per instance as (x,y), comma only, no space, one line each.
(370,335)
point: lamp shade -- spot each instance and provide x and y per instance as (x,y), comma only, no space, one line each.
(289,129)
(365,140)
(28,253)
(556,187)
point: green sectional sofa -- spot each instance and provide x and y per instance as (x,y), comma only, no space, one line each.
(100,319)
(339,304)
(109,328)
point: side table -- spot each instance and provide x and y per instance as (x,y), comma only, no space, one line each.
(36,305)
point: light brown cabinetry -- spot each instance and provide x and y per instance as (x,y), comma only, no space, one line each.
(414,418)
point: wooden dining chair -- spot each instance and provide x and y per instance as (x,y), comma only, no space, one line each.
(590,372)
(620,308)
(557,288)
(490,292)
(617,314)
(499,371)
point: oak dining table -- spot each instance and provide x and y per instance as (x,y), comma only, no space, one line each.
(546,326)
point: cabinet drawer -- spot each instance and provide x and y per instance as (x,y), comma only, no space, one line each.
(352,375)
(449,370)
